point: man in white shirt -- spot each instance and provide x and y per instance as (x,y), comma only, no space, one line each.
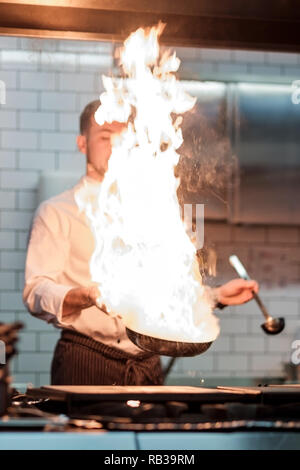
(94,348)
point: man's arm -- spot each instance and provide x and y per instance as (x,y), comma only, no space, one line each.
(47,253)
(80,298)
(235,292)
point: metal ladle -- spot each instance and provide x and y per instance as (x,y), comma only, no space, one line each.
(272,326)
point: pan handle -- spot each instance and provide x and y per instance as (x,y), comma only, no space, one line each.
(168,367)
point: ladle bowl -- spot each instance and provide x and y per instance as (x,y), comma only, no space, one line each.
(273,326)
(165,347)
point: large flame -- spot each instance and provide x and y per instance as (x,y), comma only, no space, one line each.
(144,261)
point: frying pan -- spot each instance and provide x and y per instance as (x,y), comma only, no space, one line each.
(165,347)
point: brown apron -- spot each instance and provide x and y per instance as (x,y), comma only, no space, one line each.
(80,360)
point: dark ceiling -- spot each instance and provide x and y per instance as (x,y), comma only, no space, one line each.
(254,24)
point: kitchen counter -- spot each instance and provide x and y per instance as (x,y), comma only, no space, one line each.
(153,418)
(103,440)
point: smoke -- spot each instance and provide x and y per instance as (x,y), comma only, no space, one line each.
(206,160)
(206,169)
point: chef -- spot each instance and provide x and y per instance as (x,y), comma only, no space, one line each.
(93,348)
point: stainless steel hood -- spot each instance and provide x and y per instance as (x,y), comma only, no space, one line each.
(267,25)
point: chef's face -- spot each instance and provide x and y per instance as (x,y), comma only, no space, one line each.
(96,144)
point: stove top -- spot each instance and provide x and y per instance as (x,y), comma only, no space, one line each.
(171,408)
(144,393)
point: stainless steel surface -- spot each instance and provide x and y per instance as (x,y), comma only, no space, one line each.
(259,175)
(269,25)
(267,142)
(272,326)
(143,393)
(166,348)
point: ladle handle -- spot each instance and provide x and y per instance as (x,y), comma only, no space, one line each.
(261,305)
(240,269)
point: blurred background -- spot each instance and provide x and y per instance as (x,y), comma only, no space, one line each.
(241,158)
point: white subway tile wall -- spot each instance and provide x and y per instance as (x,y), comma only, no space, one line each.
(47,84)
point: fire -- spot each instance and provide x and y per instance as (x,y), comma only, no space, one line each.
(144,262)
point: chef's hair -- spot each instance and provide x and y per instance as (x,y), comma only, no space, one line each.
(85,116)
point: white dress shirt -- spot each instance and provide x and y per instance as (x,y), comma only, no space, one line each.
(59,251)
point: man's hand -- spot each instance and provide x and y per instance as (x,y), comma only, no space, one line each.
(80,298)
(236,292)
